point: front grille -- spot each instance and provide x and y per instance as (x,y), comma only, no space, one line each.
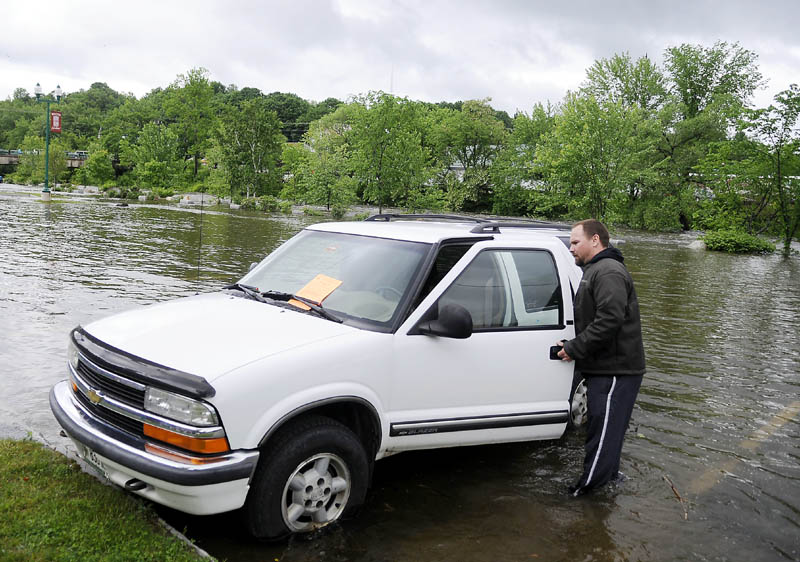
(111,417)
(107,382)
(114,389)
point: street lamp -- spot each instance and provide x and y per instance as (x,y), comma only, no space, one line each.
(48,125)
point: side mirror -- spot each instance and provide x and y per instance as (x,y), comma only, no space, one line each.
(454,321)
(253,266)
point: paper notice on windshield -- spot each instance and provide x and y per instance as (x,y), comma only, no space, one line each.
(317,290)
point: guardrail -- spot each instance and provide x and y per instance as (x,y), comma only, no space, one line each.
(72,155)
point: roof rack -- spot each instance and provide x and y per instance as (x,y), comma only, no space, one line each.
(386,217)
(483,225)
(494,226)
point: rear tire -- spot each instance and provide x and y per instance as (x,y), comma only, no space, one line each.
(313,472)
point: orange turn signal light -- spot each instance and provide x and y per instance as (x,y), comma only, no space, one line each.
(207,446)
(173,455)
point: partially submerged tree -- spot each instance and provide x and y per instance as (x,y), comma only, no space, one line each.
(250,141)
(189,104)
(389,159)
(778,154)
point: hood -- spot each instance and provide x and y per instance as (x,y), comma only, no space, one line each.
(209,335)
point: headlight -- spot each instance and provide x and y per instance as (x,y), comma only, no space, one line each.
(180,408)
(72,355)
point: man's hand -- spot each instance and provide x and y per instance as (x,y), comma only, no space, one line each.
(563,353)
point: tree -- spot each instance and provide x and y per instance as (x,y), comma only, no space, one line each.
(590,156)
(189,103)
(702,75)
(98,168)
(288,106)
(156,156)
(633,84)
(84,111)
(320,110)
(389,160)
(515,176)
(468,139)
(294,163)
(778,151)
(251,143)
(328,179)
(31,161)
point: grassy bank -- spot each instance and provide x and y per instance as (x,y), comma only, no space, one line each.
(51,510)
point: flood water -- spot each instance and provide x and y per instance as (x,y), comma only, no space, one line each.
(712,455)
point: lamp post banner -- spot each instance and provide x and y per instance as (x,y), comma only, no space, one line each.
(55,121)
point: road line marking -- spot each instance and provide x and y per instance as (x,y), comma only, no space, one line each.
(712,476)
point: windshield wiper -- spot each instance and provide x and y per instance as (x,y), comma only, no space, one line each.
(248,290)
(285,297)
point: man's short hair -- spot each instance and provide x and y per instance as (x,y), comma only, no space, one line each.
(592,227)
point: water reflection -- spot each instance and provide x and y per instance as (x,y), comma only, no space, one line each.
(723,353)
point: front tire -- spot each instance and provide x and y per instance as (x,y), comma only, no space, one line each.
(314,472)
(578,403)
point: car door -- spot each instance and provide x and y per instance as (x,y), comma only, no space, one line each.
(499,384)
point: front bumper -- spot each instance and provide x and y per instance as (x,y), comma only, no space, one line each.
(197,485)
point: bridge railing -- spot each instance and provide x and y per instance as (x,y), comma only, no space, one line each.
(72,155)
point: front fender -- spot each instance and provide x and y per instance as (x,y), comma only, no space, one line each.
(319,397)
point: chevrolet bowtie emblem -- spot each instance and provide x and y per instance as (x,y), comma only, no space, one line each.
(94,397)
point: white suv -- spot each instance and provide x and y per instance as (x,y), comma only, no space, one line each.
(351,342)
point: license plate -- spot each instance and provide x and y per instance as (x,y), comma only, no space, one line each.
(92,460)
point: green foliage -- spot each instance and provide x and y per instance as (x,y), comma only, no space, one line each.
(189,104)
(701,76)
(777,147)
(156,156)
(294,162)
(737,242)
(514,173)
(388,157)
(639,84)
(267,203)
(338,211)
(98,168)
(425,198)
(590,156)
(31,162)
(51,510)
(652,146)
(250,144)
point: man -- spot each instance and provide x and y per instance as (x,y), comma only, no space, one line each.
(607,350)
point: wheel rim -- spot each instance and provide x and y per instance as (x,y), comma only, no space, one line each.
(316,492)
(580,405)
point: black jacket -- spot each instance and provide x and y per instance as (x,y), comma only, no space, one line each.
(608,329)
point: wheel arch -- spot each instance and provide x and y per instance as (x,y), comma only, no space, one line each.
(355,413)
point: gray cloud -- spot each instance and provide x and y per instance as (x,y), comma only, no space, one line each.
(517,52)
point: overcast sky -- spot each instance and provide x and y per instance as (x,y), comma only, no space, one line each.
(515,52)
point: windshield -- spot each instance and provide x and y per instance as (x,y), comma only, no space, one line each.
(364,278)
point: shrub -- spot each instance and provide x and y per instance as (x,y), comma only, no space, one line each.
(338,211)
(248,203)
(285,207)
(737,242)
(312,212)
(267,203)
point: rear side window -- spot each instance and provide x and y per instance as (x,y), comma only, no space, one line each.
(507,289)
